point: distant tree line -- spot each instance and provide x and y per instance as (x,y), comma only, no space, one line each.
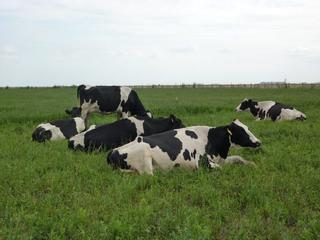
(198,85)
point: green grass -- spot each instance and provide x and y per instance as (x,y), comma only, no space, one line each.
(50,192)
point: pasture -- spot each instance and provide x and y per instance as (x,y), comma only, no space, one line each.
(50,192)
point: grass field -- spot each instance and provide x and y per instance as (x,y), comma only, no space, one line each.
(50,192)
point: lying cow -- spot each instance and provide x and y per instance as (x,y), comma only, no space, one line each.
(270,110)
(121,132)
(108,99)
(60,129)
(184,147)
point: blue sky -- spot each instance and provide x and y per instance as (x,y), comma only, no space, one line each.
(128,42)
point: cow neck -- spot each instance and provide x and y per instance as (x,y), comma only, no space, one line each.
(219,141)
(254,109)
(165,124)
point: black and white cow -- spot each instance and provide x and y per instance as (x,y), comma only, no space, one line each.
(108,99)
(185,147)
(59,129)
(121,132)
(270,110)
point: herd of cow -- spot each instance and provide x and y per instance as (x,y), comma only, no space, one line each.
(142,143)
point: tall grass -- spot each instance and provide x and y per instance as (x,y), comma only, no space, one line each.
(50,192)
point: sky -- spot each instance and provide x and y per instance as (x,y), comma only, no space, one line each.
(133,42)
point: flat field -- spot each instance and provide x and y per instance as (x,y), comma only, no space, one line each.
(50,192)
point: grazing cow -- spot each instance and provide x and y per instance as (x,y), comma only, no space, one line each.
(186,147)
(270,110)
(60,129)
(108,99)
(121,132)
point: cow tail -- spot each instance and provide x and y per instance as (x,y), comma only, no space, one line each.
(80,89)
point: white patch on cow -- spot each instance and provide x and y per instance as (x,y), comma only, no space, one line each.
(124,94)
(80,124)
(290,114)
(88,87)
(138,123)
(78,140)
(55,131)
(250,134)
(265,105)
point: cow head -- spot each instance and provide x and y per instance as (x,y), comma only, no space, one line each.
(241,136)
(74,112)
(176,122)
(244,105)
(41,135)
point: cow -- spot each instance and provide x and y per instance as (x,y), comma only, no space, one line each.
(59,129)
(121,132)
(188,148)
(108,99)
(270,110)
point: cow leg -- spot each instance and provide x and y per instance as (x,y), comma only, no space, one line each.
(144,162)
(127,170)
(146,166)
(237,160)
(213,162)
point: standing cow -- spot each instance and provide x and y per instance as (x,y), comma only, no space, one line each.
(270,110)
(121,132)
(59,129)
(183,147)
(108,99)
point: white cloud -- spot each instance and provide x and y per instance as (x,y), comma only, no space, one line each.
(8,51)
(151,41)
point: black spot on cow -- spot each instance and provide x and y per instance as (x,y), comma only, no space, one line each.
(167,142)
(177,165)
(261,114)
(275,110)
(117,160)
(67,127)
(193,154)
(139,139)
(157,125)
(191,134)
(218,142)
(110,135)
(186,155)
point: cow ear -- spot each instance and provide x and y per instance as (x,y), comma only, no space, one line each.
(249,100)
(68,111)
(173,118)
